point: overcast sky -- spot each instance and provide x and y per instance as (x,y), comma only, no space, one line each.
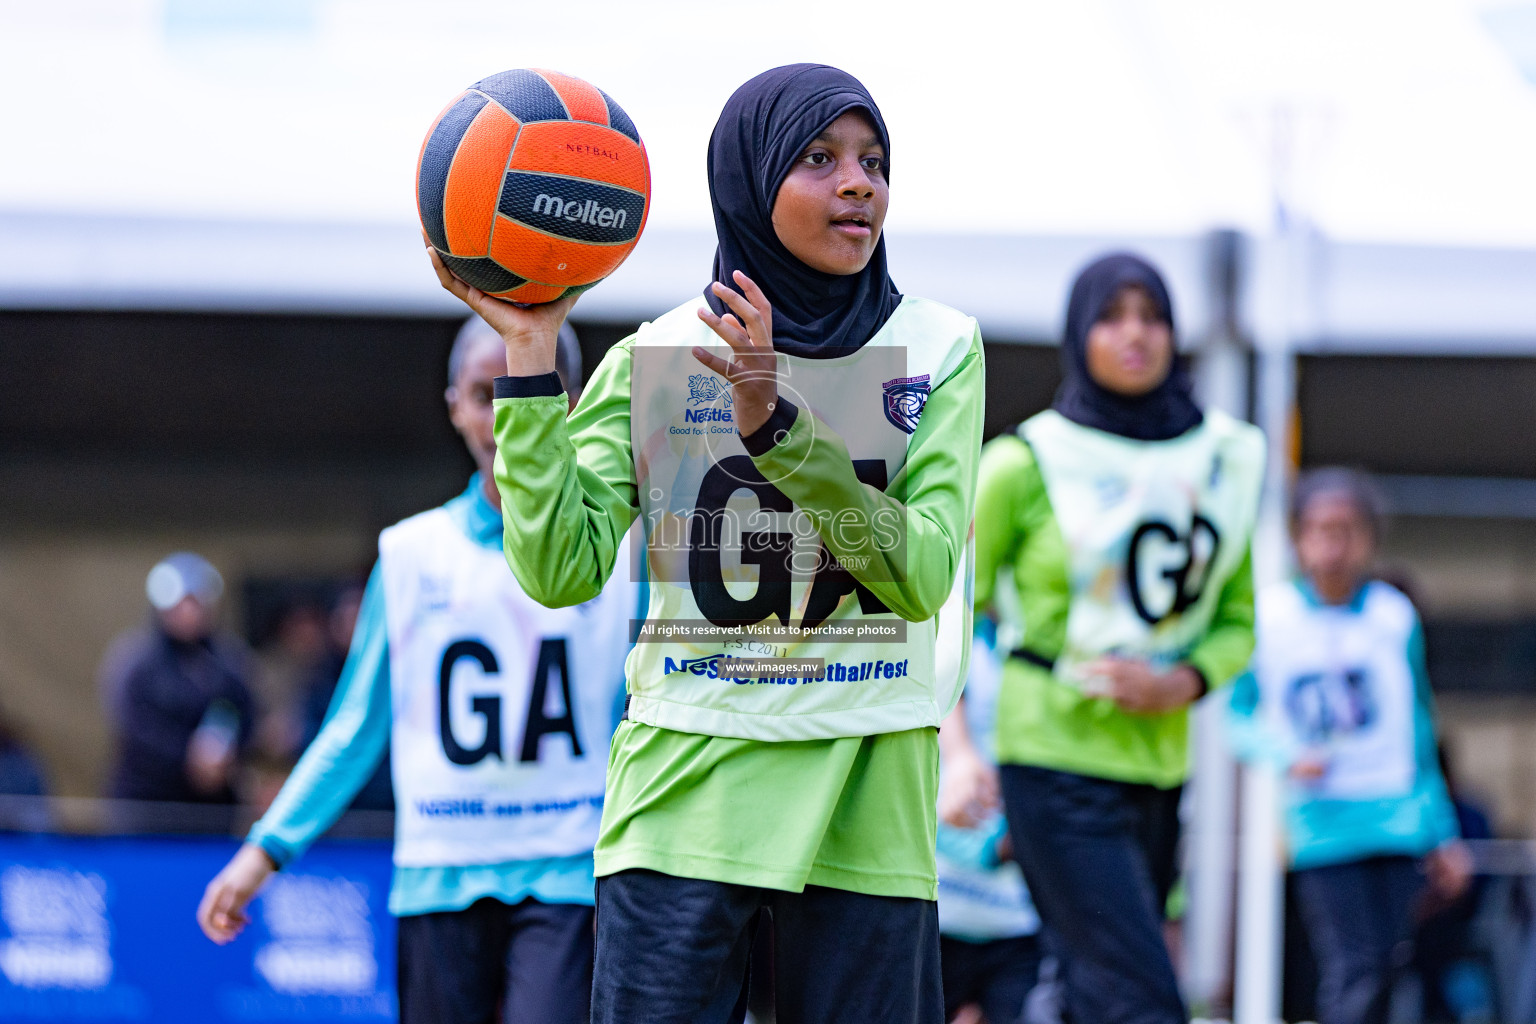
(1404,121)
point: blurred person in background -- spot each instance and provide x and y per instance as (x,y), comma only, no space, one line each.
(499,776)
(319,682)
(21,773)
(988,929)
(293,641)
(1124,513)
(178,693)
(1339,698)
(318,688)
(1455,978)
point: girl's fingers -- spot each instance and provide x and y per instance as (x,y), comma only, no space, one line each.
(737,329)
(503,316)
(739,305)
(445,276)
(731,335)
(220,920)
(729,330)
(205,913)
(558,309)
(471,296)
(467,293)
(760,307)
(749,314)
(755,295)
(712,361)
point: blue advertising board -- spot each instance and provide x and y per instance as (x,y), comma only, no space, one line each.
(103,929)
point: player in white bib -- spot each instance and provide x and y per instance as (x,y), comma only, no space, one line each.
(1338,697)
(1124,513)
(497,713)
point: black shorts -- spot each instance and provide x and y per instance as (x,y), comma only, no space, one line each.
(676,951)
(1099,857)
(524,964)
(996,975)
(1358,917)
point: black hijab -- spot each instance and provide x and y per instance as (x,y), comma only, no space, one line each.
(765,126)
(1167,410)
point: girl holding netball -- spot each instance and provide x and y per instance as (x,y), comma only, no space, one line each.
(801,444)
(1124,513)
(1339,698)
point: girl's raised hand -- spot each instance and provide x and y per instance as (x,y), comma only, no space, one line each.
(753,369)
(530,332)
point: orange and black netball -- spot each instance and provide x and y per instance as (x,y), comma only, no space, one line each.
(532,184)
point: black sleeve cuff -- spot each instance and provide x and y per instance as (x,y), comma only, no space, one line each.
(773,430)
(540,385)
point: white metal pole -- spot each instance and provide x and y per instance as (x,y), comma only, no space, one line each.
(1260,917)
(1284,312)
(1260,925)
(1260,922)
(1221,382)
(1212,868)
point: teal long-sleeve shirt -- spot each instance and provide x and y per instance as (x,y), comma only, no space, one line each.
(1330,830)
(351,744)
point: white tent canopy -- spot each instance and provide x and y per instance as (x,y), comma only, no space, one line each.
(260,153)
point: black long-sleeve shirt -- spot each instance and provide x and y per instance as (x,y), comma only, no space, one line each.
(167,689)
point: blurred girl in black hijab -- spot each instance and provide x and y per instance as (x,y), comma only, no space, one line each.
(1123,514)
(1120,406)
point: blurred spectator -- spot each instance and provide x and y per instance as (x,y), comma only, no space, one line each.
(377,793)
(293,642)
(178,694)
(1454,980)
(20,772)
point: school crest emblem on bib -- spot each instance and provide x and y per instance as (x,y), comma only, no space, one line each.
(904,401)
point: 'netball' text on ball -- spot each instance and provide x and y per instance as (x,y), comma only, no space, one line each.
(581,147)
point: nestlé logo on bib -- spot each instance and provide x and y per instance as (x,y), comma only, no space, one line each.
(904,401)
(705,390)
(436,593)
(703,387)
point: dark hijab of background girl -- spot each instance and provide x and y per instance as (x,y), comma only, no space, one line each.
(765,126)
(1166,411)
